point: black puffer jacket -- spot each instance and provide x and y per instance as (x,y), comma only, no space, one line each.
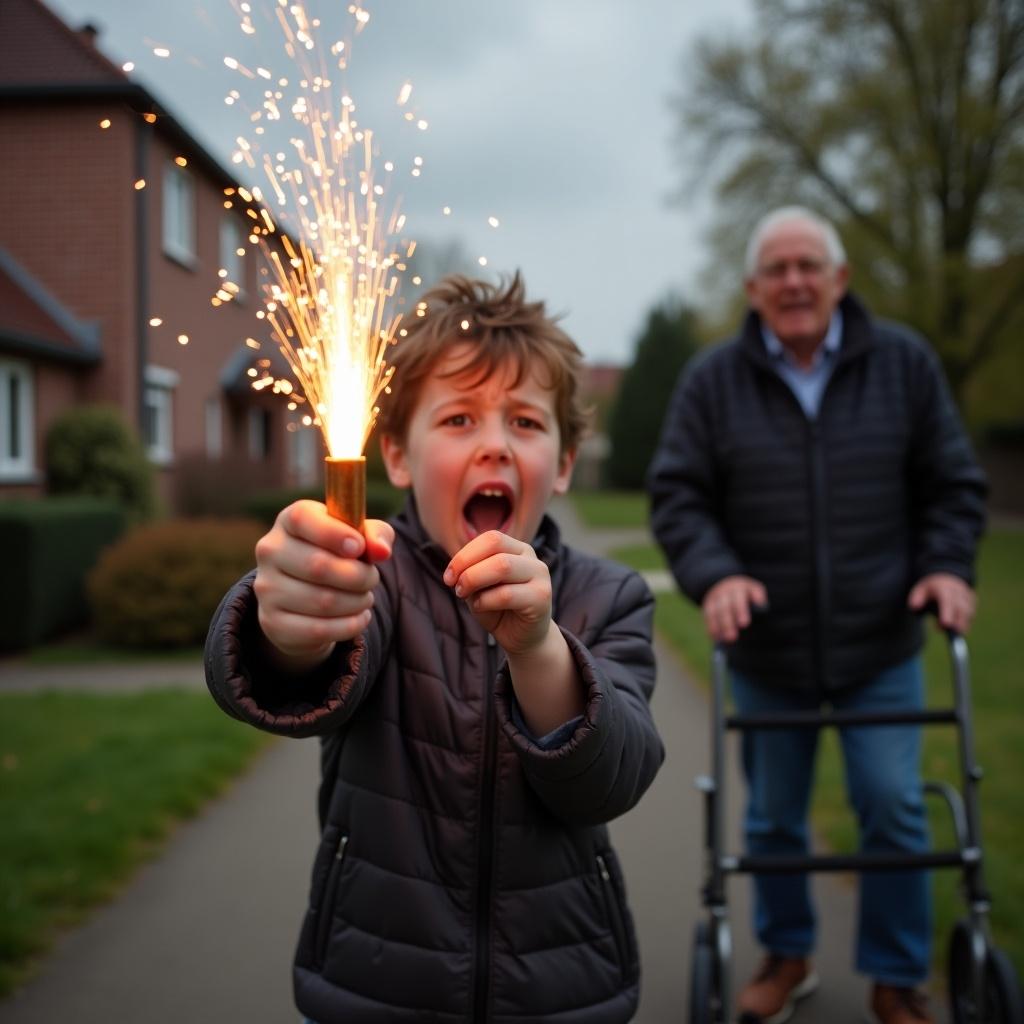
(464,875)
(837,516)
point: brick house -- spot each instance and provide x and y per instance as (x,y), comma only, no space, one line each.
(116,228)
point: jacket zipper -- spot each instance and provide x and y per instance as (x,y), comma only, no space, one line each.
(822,574)
(485,852)
(820,564)
(325,911)
(614,912)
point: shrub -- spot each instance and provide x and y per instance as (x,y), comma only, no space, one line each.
(162,583)
(49,546)
(90,449)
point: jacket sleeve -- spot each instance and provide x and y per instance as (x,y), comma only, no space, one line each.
(948,487)
(684,483)
(250,690)
(614,752)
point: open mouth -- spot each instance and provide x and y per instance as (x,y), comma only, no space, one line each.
(488,508)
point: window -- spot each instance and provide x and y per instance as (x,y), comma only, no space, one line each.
(159,416)
(214,429)
(179,215)
(17,400)
(260,429)
(232,246)
(302,453)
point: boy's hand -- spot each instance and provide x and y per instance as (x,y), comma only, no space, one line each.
(507,588)
(314,581)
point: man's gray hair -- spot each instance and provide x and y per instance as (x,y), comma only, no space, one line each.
(786,214)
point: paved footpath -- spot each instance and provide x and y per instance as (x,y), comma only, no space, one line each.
(205,934)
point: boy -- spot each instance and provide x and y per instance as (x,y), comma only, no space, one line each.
(481,691)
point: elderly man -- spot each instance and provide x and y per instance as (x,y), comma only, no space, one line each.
(814,468)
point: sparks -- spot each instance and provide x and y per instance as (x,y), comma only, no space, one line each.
(333,263)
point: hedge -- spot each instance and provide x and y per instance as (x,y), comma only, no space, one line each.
(160,585)
(49,546)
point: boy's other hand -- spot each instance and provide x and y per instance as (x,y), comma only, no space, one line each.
(507,588)
(314,581)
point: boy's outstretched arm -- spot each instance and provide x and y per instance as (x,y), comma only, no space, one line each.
(293,646)
(314,582)
(508,589)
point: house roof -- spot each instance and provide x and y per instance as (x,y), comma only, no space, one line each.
(44,60)
(37,48)
(33,320)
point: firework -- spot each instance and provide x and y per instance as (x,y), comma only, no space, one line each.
(334,262)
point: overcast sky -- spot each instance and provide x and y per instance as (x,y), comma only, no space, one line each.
(551,115)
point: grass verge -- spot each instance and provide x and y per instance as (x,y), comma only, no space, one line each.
(90,786)
(609,509)
(998,723)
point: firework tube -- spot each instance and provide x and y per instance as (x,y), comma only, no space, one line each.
(345,487)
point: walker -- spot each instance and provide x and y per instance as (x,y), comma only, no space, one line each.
(983,987)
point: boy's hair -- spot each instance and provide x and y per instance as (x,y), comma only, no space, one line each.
(503,329)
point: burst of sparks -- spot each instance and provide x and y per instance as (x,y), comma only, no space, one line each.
(334,262)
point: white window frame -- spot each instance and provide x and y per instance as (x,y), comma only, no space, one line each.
(302,453)
(17,467)
(259,423)
(232,238)
(214,419)
(159,398)
(179,215)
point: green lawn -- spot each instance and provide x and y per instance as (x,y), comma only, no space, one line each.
(998,720)
(603,509)
(90,786)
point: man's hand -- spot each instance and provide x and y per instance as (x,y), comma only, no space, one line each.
(507,588)
(314,581)
(727,604)
(953,598)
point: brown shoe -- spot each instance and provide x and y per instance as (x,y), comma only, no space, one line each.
(771,995)
(891,1005)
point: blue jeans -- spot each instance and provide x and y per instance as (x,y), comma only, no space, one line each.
(884,786)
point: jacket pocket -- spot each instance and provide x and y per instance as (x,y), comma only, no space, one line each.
(324,910)
(614,911)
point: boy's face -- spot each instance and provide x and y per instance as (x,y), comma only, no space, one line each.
(480,455)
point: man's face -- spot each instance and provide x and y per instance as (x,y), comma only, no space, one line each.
(480,455)
(795,287)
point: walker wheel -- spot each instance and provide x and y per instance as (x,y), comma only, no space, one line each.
(702,971)
(1004,1002)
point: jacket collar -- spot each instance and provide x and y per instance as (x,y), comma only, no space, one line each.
(407,523)
(858,333)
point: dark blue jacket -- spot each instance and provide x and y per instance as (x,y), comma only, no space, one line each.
(838,516)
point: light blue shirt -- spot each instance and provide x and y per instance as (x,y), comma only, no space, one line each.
(807,384)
